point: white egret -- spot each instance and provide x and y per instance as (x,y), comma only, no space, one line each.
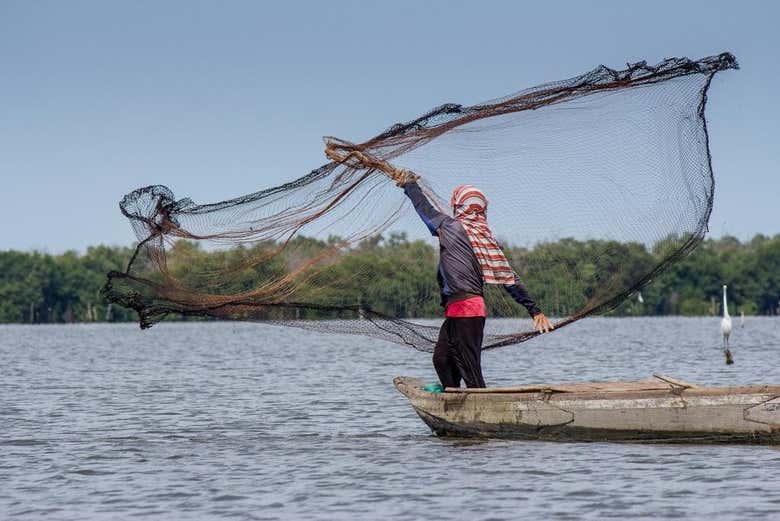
(725,328)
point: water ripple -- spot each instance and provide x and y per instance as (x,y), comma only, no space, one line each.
(230,420)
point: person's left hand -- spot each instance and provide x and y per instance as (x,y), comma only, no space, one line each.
(542,323)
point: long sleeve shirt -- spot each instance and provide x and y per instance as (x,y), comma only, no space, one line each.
(459,273)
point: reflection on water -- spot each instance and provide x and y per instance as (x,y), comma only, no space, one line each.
(197,421)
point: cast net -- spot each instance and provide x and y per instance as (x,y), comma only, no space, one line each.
(596,184)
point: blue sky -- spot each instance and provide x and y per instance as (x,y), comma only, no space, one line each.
(217,99)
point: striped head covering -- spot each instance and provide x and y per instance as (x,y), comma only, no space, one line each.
(469,206)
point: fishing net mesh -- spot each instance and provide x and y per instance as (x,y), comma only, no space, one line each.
(595,183)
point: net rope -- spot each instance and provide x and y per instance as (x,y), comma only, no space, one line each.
(596,184)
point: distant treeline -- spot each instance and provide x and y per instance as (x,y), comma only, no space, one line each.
(43,288)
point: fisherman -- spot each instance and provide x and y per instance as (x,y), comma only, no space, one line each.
(469,257)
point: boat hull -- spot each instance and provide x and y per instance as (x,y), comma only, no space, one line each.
(618,411)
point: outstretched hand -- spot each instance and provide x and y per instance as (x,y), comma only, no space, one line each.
(401,177)
(542,323)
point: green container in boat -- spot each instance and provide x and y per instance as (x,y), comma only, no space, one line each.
(433,388)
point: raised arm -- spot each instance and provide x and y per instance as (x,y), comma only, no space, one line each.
(429,215)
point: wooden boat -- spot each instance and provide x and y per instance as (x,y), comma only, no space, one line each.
(663,409)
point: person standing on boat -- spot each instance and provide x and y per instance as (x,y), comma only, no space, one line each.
(469,257)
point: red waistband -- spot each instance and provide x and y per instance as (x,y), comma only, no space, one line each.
(470,307)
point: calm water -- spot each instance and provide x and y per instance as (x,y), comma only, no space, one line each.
(223,420)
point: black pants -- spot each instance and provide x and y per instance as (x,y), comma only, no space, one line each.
(458,352)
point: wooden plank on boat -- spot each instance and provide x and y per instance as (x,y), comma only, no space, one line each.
(518,389)
(606,387)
